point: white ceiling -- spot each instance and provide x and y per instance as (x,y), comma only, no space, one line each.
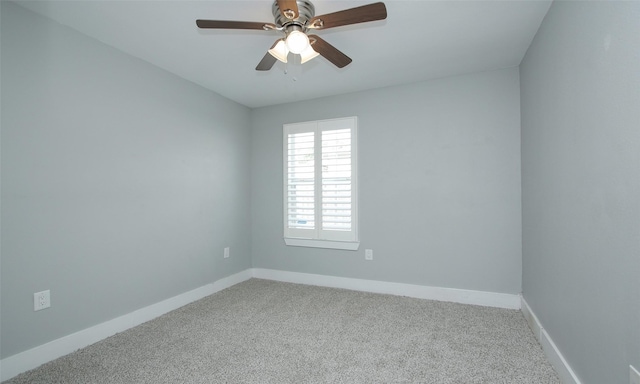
(419,40)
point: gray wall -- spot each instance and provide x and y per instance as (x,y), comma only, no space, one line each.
(121,183)
(439,183)
(580,83)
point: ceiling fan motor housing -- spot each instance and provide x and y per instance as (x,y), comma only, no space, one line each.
(306,11)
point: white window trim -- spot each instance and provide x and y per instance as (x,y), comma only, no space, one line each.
(328,244)
(301,241)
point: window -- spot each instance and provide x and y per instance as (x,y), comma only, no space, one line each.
(320,184)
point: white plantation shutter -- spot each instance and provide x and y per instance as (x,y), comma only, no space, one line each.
(300,172)
(320,181)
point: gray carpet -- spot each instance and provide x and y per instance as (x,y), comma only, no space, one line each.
(263,331)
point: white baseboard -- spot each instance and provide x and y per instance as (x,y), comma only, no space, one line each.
(488,299)
(32,358)
(564,370)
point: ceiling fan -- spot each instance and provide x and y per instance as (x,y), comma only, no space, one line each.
(296,19)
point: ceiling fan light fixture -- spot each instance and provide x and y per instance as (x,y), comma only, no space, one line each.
(297,41)
(280,51)
(307,54)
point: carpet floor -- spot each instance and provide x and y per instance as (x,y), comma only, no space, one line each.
(262,331)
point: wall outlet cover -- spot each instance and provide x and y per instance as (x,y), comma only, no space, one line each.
(226,253)
(41,300)
(368,254)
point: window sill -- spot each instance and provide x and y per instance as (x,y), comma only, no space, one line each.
(345,245)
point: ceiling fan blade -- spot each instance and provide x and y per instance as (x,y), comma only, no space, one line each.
(268,60)
(266,63)
(329,52)
(288,8)
(363,14)
(226,24)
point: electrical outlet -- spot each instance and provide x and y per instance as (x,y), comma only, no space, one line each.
(41,300)
(226,253)
(634,375)
(368,254)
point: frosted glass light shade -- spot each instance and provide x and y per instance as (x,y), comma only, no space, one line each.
(297,42)
(280,51)
(307,54)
